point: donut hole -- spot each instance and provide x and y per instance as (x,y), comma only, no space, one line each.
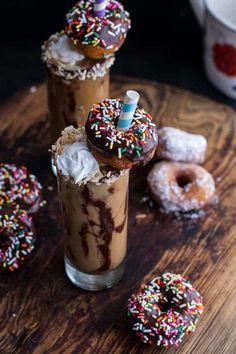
(185,178)
(3,239)
(166,306)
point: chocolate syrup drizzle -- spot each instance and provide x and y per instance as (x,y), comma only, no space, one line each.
(70,106)
(106,227)
(83,233)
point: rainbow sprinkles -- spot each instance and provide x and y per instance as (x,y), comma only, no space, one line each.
(165,310)
(83,26)
(102,129)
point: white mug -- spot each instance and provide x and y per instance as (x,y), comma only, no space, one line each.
(218,19)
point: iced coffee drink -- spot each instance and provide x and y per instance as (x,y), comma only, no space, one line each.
(94,201)
(93,166)
(74,83)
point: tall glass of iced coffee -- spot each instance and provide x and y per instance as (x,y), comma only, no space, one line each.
(74,83)
(94,202)
(93,166)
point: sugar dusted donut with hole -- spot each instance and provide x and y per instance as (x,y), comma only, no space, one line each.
(178,145)
(181,187)
(97,37)
(165,310)
(116,148)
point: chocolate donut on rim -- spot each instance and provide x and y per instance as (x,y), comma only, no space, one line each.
(181,187)
(165,310)
(97,37)
(18,186)
(116,148)
(17,237)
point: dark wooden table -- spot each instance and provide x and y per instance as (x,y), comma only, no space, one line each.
(42,312)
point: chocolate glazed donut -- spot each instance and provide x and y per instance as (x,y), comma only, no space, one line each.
(165,310)
(18,186)
(115,148)
(96,37)
(17,237)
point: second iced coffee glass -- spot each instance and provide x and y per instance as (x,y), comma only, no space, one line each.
(74,83)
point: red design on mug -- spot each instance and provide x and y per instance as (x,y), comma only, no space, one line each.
(224,56)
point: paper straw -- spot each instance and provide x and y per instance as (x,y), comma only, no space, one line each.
(128,109)
(99,8)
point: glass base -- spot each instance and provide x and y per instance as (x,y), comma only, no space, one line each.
(94,282)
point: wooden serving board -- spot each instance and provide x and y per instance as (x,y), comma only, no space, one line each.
(42,312)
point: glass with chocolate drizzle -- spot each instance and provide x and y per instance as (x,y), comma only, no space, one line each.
(94,202)
(74,82)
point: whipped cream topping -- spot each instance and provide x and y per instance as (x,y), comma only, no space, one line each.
(77,162)
(64,51)
(64,60)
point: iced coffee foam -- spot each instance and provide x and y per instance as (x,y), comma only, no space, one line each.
(77,161)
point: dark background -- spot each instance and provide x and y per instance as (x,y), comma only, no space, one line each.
(164,44)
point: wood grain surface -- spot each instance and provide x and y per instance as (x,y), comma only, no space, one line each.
(42,312)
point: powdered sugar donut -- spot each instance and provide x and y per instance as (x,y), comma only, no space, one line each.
(178,145)
(181,187)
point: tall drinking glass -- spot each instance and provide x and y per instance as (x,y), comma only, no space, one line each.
(95,215)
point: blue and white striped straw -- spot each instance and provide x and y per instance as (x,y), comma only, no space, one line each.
(128,109)
(99,8)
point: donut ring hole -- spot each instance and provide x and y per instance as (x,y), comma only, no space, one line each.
(165,306)
(3,239)
(185,178)
(7,183)
(159,304)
